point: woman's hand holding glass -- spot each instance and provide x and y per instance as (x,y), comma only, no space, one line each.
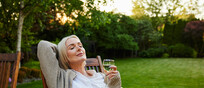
(110,68)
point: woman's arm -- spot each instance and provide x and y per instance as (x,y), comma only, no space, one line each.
(46,52)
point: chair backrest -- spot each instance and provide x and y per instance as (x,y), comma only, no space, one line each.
(8,64)
(94,64)
(91,64)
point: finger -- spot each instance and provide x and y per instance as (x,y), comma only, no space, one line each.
(113,67)
(105,71)
(111,76)
(111,72)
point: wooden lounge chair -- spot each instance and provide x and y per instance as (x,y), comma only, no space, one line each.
(9,63)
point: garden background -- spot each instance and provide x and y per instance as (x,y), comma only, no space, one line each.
(150,46)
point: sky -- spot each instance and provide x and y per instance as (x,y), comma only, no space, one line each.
(125,7)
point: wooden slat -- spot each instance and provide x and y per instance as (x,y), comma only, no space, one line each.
(7,73)
(89,67)
(92,62)
(97,70)
(8,56)
(100,64)
(2,75)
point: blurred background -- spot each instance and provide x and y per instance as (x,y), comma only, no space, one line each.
(126,30)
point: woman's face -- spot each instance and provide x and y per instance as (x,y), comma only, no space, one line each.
(75,51)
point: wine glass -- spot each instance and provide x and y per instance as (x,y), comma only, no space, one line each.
(107,63)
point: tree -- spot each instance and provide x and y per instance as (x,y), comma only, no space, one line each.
(18,10)
(114,39)
(40,16)
(174,32)
(194,32)
(138,11)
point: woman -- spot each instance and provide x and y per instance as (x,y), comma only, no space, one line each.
(72,55)
(71,73)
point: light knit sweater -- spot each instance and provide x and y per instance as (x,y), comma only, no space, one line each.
(57,77)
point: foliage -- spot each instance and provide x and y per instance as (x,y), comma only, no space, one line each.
(21,76)
(8,22)
(32,64)
(27,71)
(153,52)
(35,73)
(155,10)
(137,10)
(31,68)
(102,33)
(194,36)
(180,50)
(42,21)
(146,35)
(167,8)
(174,20)
(174,32)
(119,34)
(165,55)
(126,39)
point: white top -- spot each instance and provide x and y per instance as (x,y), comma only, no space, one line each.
(95,81)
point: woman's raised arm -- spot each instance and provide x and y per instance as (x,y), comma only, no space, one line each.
(49,65)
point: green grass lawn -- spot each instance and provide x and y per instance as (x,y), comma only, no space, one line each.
(162,73)
(35,84)
(155,73)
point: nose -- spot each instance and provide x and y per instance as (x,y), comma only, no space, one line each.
(78,48)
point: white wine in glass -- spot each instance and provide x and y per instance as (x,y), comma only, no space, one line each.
(107,63)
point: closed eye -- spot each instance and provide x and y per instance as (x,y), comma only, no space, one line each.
(81,46)
(72,48)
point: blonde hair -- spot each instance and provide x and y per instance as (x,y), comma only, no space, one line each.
(62,49)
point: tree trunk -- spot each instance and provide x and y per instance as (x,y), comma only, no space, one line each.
(20,26)
(18,48)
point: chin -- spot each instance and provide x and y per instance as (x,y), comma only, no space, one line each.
(84,57)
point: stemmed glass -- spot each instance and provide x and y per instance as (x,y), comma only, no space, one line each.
(107,63)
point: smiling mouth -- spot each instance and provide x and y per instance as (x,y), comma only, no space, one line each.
(80,54)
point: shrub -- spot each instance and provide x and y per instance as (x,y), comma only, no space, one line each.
(35,72)
(153,52)
(180,50)
(21,76)
(165,55)
(144,53)
(27,71)
(32,64)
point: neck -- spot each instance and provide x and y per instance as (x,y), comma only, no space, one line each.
(79,68)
